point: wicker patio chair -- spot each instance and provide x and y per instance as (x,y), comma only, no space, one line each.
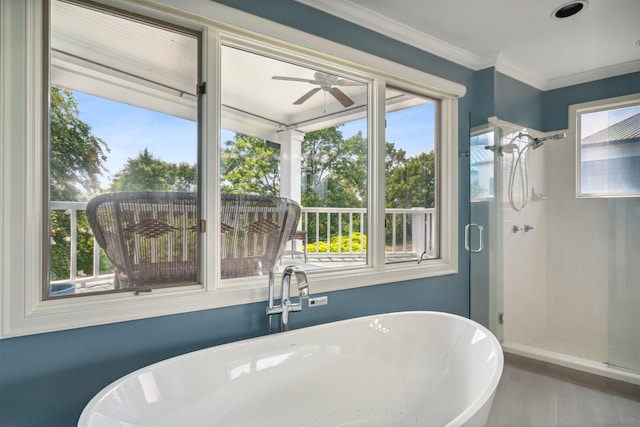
(255,230)
(152,237)
(149,237)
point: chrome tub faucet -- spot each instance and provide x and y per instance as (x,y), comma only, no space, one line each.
(287,306)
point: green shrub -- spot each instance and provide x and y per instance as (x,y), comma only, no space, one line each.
(336,245)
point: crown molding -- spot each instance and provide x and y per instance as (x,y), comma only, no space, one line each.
(364,17)
(516,71)
(591,75)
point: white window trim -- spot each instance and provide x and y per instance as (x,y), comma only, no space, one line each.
(575,125)
(21,203)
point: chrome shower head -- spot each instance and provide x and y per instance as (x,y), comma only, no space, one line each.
(537,142)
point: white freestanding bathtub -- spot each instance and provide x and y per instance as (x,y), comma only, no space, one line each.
(398,369)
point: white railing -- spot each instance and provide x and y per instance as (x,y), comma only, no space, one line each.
(72,209)
(416,228)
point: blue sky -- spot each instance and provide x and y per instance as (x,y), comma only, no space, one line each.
(128,130)
(412,129)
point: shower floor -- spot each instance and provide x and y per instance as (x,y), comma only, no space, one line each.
(581,349)
(598,353)
(580,355)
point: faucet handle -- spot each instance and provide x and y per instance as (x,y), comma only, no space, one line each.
(303,283)
(303,291)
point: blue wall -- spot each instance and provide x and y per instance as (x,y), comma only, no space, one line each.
(556,102)
(517,102)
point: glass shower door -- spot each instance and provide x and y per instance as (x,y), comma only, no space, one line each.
(624,283)
(482,234)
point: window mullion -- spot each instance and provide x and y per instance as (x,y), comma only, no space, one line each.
(376,240)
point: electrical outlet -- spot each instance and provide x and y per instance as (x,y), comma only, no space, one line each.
(318,301)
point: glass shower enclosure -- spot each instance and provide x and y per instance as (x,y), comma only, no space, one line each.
(558,277)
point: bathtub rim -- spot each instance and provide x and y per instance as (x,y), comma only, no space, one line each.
(483,398)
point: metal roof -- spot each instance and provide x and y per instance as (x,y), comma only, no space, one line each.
(625,131)
(479,155)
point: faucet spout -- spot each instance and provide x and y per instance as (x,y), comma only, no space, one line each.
(286,305)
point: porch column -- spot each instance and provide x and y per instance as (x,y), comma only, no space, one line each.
(291,173)
(291,164)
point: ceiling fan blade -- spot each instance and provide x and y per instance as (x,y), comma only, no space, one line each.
(306,96)
(341,97)
(294,79)
(344,82)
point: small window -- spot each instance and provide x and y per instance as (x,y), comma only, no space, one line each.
(411,177)
(122,139)
(608,151)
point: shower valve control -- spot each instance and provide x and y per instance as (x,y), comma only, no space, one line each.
(528,227)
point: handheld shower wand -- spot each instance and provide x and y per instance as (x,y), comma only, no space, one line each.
(524,174)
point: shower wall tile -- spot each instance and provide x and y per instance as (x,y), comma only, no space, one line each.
(524,266)
(557,277)
(577,257)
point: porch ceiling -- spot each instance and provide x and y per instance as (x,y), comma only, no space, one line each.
(156,68)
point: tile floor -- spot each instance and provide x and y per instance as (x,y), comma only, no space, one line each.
(533,393)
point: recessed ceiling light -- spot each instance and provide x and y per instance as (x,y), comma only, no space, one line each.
(569,9)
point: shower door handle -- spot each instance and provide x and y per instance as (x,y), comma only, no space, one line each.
(467,237)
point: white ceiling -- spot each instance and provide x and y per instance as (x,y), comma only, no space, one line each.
(520,38)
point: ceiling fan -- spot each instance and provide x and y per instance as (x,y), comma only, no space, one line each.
(326,82)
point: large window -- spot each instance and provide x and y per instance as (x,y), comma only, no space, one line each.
(297,132)
(608,149)
(171,161)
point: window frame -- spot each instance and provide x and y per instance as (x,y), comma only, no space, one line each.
(576,112)
(140,20)
(24,219)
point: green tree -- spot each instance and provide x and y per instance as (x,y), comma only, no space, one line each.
(76,155)
(411,183)
(250,165)
(149,173)
(334,169)
(76,160)
(334,175)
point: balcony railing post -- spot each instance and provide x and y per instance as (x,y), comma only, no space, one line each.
(96,259)
(362,246)
(74,244)
(393,233)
